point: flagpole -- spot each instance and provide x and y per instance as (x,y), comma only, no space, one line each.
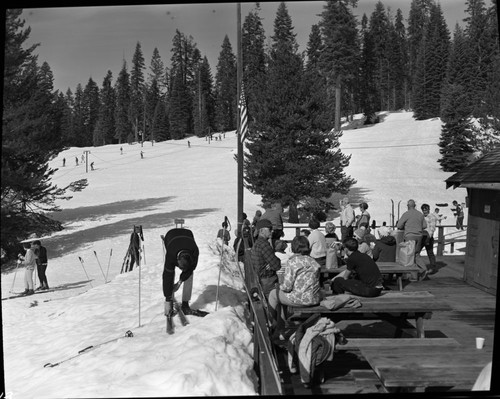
(240,144)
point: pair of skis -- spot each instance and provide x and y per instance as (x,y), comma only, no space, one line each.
(170,318)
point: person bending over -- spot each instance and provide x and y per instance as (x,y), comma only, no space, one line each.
(182,252)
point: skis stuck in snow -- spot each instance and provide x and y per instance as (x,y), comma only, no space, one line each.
(182,317)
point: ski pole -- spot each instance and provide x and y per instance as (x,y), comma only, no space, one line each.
(88,278)
(13,281)
(139,293)
(109,262)
(89,348)
(125,260)
(144,252)
(220,265)
(100,267)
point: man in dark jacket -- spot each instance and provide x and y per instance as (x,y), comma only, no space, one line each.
(181,251)
(367,279)
(264,261)
(385,248)
(41,264)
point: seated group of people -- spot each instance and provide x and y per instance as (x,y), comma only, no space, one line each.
(300,285)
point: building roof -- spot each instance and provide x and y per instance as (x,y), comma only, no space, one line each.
(483,173)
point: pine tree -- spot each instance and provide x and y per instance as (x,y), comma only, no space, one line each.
(339,60)
(79,117)
(153,96)
(432,61)
(136,107)
(90,107)
(161,128)
(158,72)
(123,127)
(179,112)
(417,20)
(292,154)
(369,96)
(254,62)
(31,136)
(225,89)
(185,57)
(67,123)
(105,127)
(482,34)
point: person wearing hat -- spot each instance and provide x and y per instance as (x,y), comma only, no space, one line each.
(363,246)
(264,260)
(181,251)
(273,214)
(385,247)
(366,281)
(28,260)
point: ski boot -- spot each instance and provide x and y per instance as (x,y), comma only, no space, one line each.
(192,312)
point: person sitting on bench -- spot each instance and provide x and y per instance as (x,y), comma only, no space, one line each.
(366,278)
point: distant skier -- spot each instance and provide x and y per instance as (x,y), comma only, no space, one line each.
(92,165)
(189,144)
(64,162)
(181,251)
(121,150)
(142,155)
(83,158)
(76,161)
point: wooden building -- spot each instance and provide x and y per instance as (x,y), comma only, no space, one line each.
(482,181)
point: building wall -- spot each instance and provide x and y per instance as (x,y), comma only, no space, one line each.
(483,236)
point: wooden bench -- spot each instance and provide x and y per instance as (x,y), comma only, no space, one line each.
(384,267)
(396,307)
(419,367)
(383,343)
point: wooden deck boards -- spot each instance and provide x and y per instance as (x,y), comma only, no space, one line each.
(471,314)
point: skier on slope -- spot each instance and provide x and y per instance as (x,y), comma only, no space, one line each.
(181,251)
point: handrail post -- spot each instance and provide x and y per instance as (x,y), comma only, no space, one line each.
(440,246)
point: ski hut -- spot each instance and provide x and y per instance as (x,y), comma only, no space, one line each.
(482,181)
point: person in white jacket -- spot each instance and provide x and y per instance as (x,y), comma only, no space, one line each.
(346,219)
(29,261)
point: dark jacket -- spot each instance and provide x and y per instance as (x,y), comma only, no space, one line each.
(177,240)
(42,256)
(385,249)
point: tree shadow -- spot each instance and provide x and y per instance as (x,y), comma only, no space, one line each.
(97,212)
(228,296)
(77,240)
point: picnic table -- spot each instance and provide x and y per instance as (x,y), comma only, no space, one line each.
(384,267)
(395,307)
(419,367)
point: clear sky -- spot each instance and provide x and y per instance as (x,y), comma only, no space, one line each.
(83,42)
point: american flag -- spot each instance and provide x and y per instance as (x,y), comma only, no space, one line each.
(243,116)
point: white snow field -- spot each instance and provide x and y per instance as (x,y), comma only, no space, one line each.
(395,159)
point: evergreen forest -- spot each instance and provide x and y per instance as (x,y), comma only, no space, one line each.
(385,61)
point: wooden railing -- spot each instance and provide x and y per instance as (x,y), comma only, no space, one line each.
(442,240)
